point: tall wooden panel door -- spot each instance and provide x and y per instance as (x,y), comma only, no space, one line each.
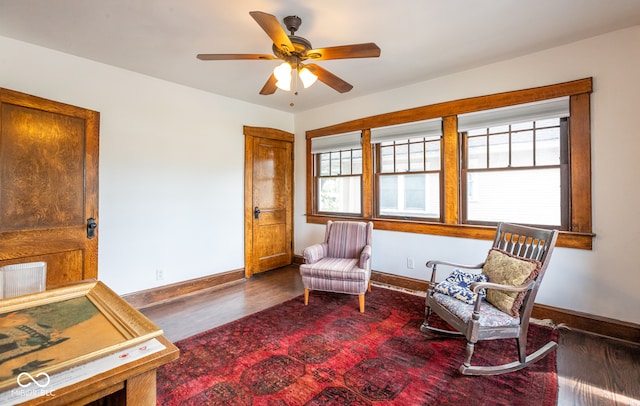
(268,199)
(49,186)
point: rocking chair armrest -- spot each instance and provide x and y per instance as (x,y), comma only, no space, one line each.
(476,286)
(433,266)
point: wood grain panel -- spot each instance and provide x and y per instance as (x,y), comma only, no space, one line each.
(62,267)
(42,184)
(49,154)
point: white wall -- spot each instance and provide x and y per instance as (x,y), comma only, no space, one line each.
(171,165)
(604,281)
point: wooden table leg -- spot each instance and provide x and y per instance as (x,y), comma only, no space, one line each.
(141,389)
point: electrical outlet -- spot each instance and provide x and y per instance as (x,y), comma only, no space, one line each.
(409,263)
(159,274)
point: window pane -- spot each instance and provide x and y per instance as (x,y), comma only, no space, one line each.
(356,154)
(345,162)
(416,162)
(416,195)
(530,196)
(499,151)
(522,148)
(324,165)
(402,158)
(433,156)
(386,159)
(388,193)
(548,146)
(335,163)
(414,192)
(477,152)
(339,194)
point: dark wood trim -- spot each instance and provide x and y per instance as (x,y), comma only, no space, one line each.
(162,294)
(450,208)
(461,106)
(580,161)
(565,239)
(399,281)
(587,322)
(271,133)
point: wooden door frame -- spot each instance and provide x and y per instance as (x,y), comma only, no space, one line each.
(249,134)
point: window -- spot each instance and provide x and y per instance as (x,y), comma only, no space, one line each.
(408,169)
(408,176)
(516,173)
(514,164)
(522,156)
(338,174)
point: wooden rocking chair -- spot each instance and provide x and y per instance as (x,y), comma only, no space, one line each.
(515,267)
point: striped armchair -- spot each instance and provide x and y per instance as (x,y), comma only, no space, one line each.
(342,263)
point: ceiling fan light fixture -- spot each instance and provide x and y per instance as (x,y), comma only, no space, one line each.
(307,77)
(282,73)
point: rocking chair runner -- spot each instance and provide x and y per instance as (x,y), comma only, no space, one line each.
(515,267)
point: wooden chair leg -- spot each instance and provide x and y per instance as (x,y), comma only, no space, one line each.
(306,296)
(361,300)
(369,287)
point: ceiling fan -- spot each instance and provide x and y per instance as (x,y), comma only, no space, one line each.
(295,50)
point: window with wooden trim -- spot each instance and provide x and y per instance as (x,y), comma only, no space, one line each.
(338,174)
(408,170)
(515,164)
(545,154)
(516,173)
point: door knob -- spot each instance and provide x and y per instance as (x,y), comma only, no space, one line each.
(256,212)
(91,227)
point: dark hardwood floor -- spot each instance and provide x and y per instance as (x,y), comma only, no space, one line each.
(592,370)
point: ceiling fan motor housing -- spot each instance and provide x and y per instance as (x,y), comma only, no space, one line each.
(292,23)
(300,45)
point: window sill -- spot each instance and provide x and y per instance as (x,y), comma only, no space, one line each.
(566,239)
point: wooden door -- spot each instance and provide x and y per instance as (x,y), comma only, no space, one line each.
(48,186)
(268,199)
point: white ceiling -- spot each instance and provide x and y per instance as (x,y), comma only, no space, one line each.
(419,39)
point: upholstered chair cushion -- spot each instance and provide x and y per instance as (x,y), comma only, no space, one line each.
(346,239)
(505,269)
(490,316)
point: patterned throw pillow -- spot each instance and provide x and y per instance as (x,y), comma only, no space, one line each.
(458,284)
(505,269)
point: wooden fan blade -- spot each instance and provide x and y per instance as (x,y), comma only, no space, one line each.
(234,57)
(368,50)
(274,30)
(329,78)
(269,87)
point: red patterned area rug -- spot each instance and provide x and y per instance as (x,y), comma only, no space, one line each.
(328,353)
